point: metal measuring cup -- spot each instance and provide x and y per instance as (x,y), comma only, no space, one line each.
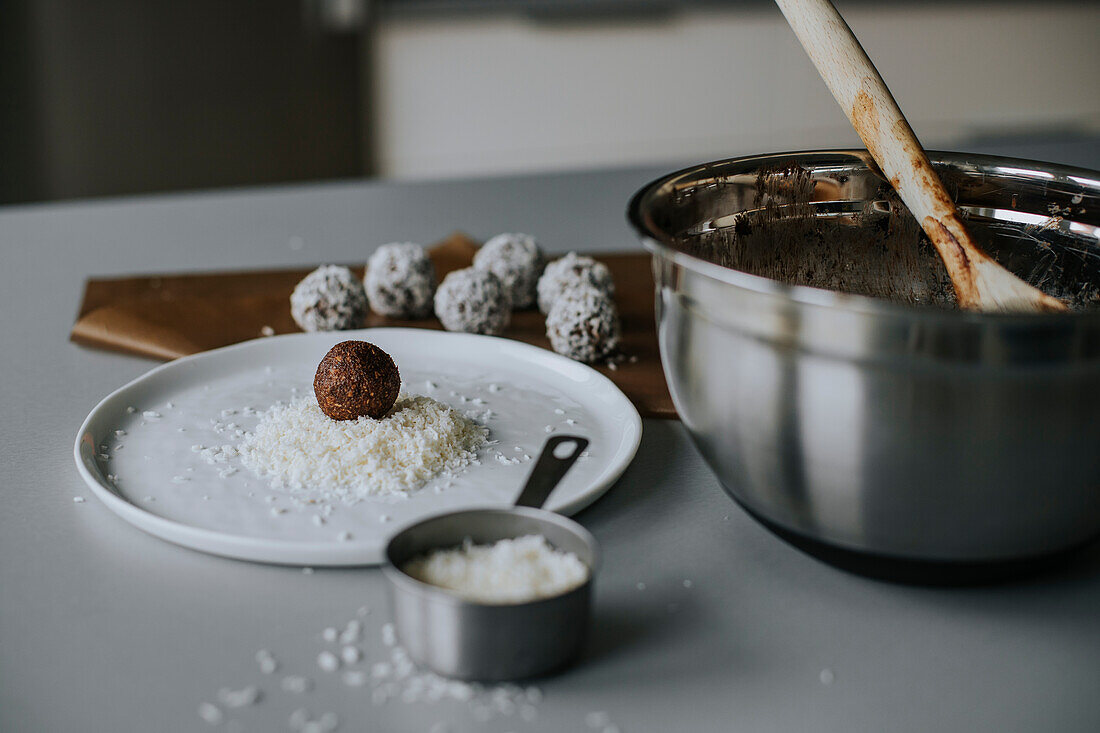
(470,640)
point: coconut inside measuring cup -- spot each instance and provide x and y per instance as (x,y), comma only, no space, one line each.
(518,570)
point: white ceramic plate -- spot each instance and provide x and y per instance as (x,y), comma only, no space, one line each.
(137,448)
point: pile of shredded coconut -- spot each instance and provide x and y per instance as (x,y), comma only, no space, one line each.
(509,571)
(298,447)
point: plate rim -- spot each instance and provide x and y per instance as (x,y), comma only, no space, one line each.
(291,552)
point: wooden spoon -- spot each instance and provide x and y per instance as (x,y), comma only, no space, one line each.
(980,283)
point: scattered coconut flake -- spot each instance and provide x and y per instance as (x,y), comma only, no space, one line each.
(330,635)
(307,571)
(266,662)
(327,723)
(827,677)
(350,634)
(597,719)
(687,583)
(350,655)
(297,684)
(267,331)
(210,713)
(78,499)
(344,537)
(151,414)
(239,698)
(355,678)
(300,720)
(328,661)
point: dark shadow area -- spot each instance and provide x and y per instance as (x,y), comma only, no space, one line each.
(122,97)
(1078,562)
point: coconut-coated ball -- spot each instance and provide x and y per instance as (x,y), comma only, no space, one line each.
(330,298)
(569,272)
(474,301)
(517,260)
(400,281)
(356,379)
(584,324)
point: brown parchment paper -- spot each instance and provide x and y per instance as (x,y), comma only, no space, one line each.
(168,316)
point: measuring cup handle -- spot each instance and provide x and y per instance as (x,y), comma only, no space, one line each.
(551,466)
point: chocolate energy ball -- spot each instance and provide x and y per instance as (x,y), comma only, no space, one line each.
(572,271)
(584,324)
(474,301)
(354,379)
(329,299)
(517,260)
(400,281)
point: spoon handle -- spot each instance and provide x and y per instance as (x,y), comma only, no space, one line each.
(558,455)
(980,283)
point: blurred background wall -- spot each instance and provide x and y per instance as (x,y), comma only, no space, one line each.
(125,96)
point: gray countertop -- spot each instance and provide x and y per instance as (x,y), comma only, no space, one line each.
(104,628)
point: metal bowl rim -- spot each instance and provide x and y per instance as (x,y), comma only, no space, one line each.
(400,579)
(833,299)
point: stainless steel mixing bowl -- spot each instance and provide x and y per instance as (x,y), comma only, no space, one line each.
(900,428)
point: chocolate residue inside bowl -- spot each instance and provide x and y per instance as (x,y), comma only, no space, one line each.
(853,234)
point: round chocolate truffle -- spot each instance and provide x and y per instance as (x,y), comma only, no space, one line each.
(517,260)
(400,281)
(474,301)
(329,299)
(584,324)
(354,379)
(572,271)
